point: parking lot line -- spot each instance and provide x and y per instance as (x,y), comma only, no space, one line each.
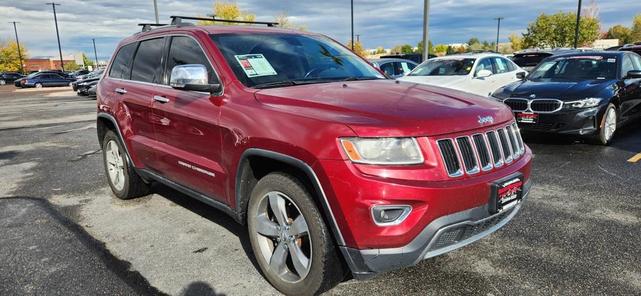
(635,158)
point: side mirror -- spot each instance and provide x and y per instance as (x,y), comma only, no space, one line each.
(634,74)
(521,75)
(483,74)
(192,77)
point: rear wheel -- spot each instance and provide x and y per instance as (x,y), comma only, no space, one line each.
(608,125)
(290,240)
(123,179)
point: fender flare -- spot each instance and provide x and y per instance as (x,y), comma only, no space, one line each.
(309,172)
(113,120)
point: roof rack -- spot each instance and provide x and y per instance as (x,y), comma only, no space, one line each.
(177,20)
(147,26)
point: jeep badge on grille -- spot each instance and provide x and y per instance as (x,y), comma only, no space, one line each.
(486,120)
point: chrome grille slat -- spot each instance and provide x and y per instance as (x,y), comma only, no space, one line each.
(497,155)
(512,140)
(467,155)
(518,137)
(450,158)
(505,146)
(483,152)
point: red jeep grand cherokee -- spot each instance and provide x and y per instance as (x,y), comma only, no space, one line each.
(335,170)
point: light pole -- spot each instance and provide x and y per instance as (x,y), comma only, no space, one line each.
(55,19)
(15,30)
(352,2)
(576,32)
(156,11)
(498,31)
(95,53)
(426,30)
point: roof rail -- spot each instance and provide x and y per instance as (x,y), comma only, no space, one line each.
(177,20)
(147,26)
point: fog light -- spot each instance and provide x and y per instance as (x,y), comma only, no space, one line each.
(390,214)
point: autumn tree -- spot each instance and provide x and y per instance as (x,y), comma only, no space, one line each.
(229,11)
(557,30)
(380,50)
(624,34)
(358,48)
(87,61)
(71,66)
(516,41)
(9,58)
(430,48)
(635,34)
(284,21)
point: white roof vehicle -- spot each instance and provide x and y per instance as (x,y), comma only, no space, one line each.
(478,73)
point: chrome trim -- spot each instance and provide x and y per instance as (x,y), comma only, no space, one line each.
(529,105)
(500,162)
(489,152)
(407,209)
(509,158)
(476,169)
(527,102)
(161,99)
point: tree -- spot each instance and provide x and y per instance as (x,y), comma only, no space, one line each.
(284,22)
(473,41)
(229,11)
(440,49)
(87,61)
(516,41)
(380,50)
(430,47)
(9,58)
(407,49)
(624,34)
(71,66)
(557,30)
(635,35)
(358,48)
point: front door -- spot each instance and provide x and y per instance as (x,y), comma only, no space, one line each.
(186,123)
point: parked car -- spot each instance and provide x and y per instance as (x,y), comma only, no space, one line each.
(394,68)
(45,79)
(9,77)
(480,74)
(93,74)
(333,168)
(91,92)
(84,86)
(79,72)
(79,84)
(586,94)
(528,60)
(636,48)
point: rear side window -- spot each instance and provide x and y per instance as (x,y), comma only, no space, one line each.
(501,65)
(184,51)
(388,68)
(484,64)
(148,61)
(627,65)
(122,63)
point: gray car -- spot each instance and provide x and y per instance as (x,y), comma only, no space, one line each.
(394,68)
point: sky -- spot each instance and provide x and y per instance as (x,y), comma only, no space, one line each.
(379,22)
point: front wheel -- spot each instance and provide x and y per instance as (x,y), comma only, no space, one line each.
(123,179)
(38,85)
(608,126)
(290,240)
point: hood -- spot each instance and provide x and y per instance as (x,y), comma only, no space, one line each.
(570,90)
(387,107)
(451,81)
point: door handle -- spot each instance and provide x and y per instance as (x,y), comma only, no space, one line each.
(161,99)
(121,91)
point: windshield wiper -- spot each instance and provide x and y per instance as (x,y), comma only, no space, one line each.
(355,78)
(275,84)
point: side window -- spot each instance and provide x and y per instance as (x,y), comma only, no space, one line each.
(510,65)
(500,65)
(484,64)
(185,50)
(147,63)
(388,68)
(636,61)
(627,65)
(121,65)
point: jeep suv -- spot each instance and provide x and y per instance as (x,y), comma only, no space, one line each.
(335,171)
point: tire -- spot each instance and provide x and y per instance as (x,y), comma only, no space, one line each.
(125,183)
(607,128)
(324,269)
(38,85)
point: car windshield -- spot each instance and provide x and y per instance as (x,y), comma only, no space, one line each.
(264,60)
(445,67)
(575,68)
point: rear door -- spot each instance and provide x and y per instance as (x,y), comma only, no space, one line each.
(631,92)
(187,125)
(504,72)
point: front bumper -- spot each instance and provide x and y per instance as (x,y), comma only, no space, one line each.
(442,235)
(573,122)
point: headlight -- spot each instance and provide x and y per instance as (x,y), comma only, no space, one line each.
(585,103)
(386,151)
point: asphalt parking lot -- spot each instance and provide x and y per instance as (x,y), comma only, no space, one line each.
(63,233)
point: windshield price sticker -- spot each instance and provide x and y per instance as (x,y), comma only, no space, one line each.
(255,65)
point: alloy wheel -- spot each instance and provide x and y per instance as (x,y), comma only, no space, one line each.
(115,165)
(283,237)
(610,124)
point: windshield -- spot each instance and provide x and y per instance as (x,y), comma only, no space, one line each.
(575,68)
(271,60)
(444,68)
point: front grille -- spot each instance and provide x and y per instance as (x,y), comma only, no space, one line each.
(518,105)
(545,106)
(471,154)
